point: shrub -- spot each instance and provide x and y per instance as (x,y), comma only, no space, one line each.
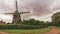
(11,26)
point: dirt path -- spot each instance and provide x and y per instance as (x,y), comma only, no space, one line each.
(3,33)
(53,30)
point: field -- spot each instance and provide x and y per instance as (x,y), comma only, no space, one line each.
(34,31)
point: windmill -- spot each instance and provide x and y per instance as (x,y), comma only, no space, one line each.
(16,15)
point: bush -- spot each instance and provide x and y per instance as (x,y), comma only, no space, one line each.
(11,26)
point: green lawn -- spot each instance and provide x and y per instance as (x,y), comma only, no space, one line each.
(35,31)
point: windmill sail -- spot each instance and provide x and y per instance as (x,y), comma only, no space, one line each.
(24,12)
(16,6)
(8,13)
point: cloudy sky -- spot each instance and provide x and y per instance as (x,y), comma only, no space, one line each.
(40,9)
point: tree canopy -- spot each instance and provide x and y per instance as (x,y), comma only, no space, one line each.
(56,18)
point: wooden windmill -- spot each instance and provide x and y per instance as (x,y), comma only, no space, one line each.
(17,15)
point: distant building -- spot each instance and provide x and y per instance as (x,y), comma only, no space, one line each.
(1,22)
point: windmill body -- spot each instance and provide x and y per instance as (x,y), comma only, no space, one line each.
(16,15)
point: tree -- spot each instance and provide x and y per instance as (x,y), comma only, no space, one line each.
(35,23)
(56,18)
(29,22)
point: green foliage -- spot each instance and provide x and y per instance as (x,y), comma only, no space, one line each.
(12,26)
(26,24)
(56,18)
(34,23)
(49,23)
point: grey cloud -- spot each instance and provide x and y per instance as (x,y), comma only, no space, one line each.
(39,7)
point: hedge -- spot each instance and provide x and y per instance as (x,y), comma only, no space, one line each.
(10,26)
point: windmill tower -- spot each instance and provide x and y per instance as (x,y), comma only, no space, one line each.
(16,15)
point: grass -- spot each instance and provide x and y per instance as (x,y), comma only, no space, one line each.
(34,31)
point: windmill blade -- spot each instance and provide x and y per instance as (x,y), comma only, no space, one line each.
(8,13)
(24,12)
